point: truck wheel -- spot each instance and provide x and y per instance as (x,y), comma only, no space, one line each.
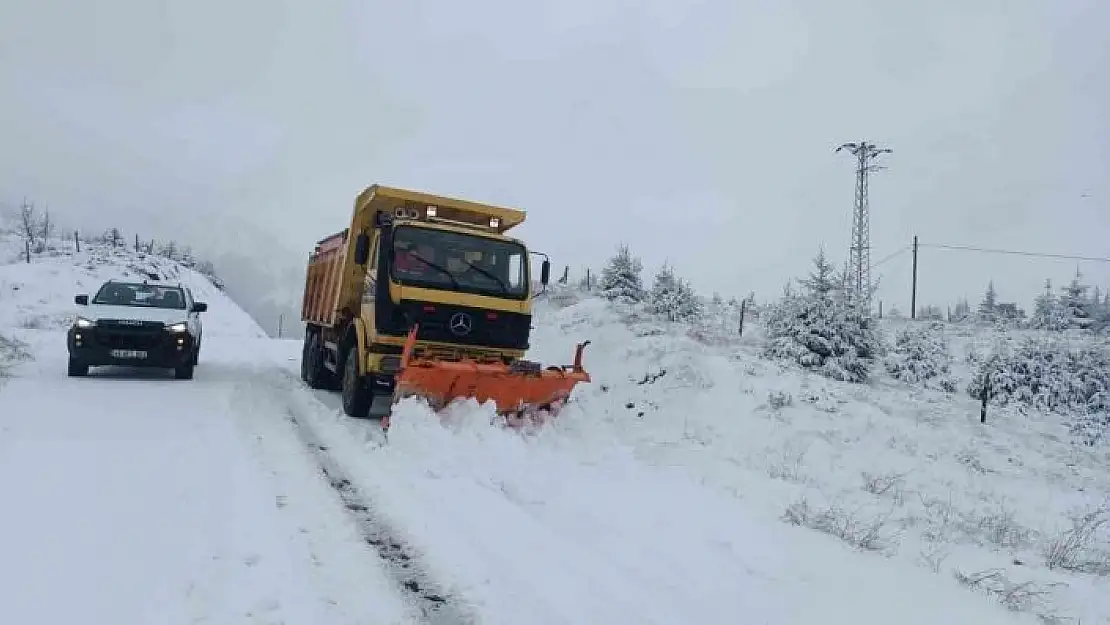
(356,393)
(304,358)
(316,374)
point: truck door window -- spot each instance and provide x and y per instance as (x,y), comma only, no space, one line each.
(516,274)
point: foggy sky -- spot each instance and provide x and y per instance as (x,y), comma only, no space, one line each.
(701,133)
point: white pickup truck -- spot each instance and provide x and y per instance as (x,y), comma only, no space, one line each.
(137,324)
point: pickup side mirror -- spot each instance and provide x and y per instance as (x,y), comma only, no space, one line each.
(200,307)
(81,300)
(545,272)
(362,249)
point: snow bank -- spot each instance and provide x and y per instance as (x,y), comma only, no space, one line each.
(890,468)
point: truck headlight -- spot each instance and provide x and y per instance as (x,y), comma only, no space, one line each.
(177,327)
(83,323)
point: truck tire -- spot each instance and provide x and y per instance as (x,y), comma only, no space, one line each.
(356,392)
(317,376)
(304,357)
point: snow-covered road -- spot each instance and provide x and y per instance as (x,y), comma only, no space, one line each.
(131,497)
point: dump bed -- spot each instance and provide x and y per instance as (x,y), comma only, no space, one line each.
(322,280)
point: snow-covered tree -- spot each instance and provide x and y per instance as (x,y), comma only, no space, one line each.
(930,312)
(962,311)
(1048,313)
(823,282)
(989,304)
(673,297)
(921,356)
(1052,376)
(620,279)
(819,330)
(1075,303)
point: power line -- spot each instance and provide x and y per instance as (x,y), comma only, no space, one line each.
(971,248)
(891,256)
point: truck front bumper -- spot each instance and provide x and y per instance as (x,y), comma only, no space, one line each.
(99,346)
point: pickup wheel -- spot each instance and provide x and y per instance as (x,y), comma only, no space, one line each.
(184,372)
(77,369)
(356,393)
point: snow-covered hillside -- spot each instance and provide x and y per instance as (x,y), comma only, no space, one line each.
(39,295)
(906,474)
(692,481)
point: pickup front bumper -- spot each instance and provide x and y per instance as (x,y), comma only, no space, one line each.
(151,346)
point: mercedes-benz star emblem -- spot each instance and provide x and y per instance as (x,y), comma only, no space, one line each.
(460,324)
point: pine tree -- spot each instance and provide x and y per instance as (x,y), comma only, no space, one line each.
(1048,314)
(823,281)
(620,280)
(820,331)
(1075,303)
(962,310)
(673,297)
(989,304)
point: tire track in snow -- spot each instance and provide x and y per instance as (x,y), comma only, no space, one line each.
(402,563)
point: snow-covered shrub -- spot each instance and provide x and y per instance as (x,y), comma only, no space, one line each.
(1049,376)
(672,297)
(819,330)
(1048,311)
(920,356)
(620,279)
(12,351)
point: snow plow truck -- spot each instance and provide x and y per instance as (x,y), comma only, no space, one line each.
(427,296)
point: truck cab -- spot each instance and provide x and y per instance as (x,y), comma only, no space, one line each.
(408,259)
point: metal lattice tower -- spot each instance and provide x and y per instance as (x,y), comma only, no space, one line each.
(857,274)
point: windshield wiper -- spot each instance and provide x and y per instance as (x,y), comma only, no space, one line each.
(500,282)
(443,270)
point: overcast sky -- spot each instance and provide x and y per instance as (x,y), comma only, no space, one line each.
(701,132)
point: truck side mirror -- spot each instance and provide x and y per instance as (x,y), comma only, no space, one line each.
(362,249)
(81,300)
(545,272)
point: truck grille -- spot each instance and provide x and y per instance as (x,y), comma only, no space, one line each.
(498,329)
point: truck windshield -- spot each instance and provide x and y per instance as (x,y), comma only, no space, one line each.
(461,262)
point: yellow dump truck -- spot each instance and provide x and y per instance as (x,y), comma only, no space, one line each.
(426,295)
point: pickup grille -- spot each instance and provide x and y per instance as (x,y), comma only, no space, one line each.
(116,334)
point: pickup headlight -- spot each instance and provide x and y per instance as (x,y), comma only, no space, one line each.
(177,327)
(83,323)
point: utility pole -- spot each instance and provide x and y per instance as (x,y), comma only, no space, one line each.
(913,292)
(858,274)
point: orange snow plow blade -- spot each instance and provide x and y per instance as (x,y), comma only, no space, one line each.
(517,389)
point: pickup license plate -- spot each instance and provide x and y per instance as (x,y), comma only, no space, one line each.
(128,353)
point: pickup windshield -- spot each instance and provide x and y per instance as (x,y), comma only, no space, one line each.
(144,295)
(461,262)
